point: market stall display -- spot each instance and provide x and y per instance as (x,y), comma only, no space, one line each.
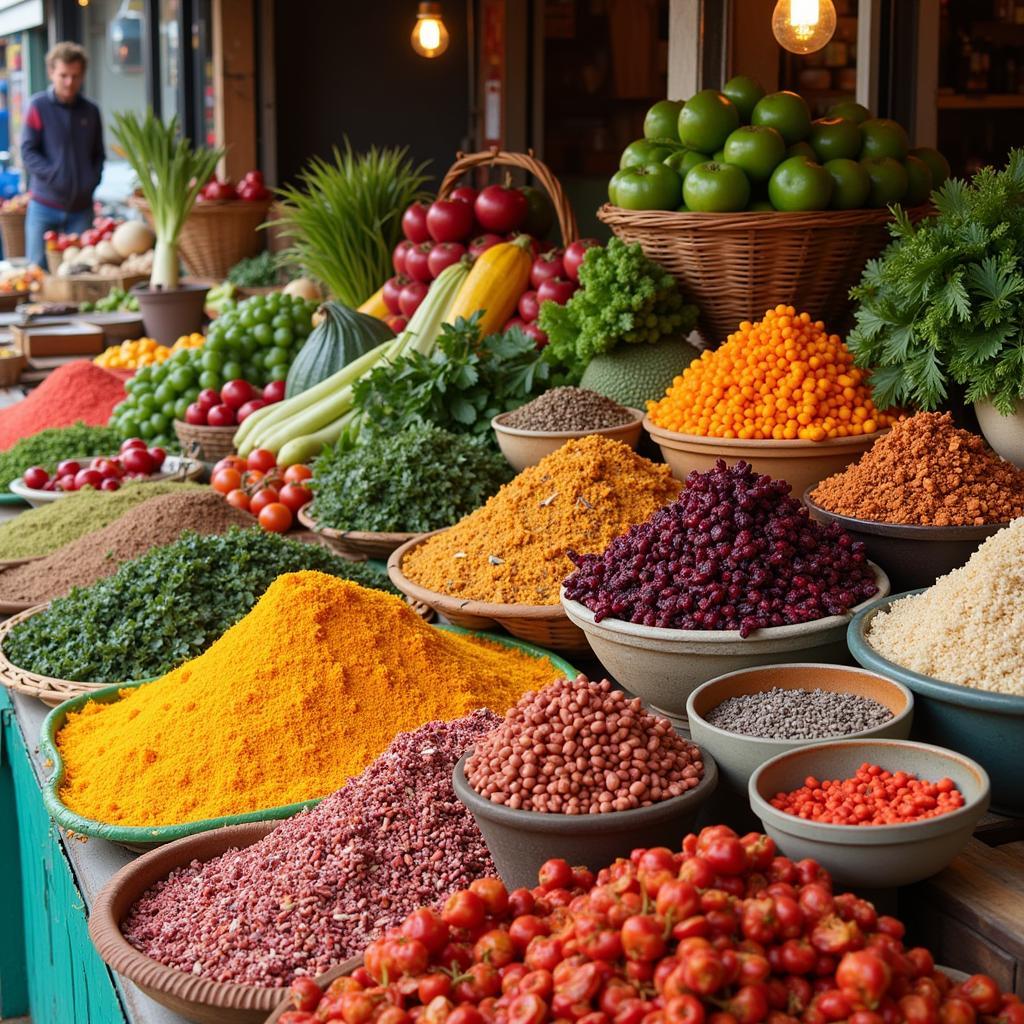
(53,445)
(138,352)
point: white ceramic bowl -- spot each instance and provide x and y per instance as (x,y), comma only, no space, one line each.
(174,466)
(664,666)
(524,448)
(871,856)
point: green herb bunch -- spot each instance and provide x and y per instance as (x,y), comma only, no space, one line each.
(420,479)
(624,297)
(345,217)
(461,386)
(255,271)
(945,300)
(49,447)
(167,606)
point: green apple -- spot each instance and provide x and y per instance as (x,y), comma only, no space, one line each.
(706,120)
(645,187)
(744,92)
(937,164)
(833,138)
(919,181)
(799,184)
(716,188)
(646,151)
(662,120)
(850,184)
(756,149)
(850,111)
(684,160)
(786,112)
(889,180)
(883,137)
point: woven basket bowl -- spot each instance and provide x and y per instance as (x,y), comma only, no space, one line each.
(216,235)
(207,443)
(12,230)
(30,684)
(356,544)
(544,625)
(13,607)
(735,266)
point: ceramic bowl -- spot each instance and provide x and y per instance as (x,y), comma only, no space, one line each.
(914,556)
(738,755)
(520,841)
(664,666)
(524,448)
(174,466)
(986,726)
(871,856)
(1004,433)
(802,463)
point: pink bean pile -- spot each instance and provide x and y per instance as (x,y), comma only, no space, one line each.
(325,883)
(578,747)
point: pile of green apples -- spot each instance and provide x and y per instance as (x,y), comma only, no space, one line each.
(740,149)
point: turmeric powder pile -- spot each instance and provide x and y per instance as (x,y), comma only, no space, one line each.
(513,549)
(295,699)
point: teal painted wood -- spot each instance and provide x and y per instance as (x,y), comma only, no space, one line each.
(67,981)
(13,975)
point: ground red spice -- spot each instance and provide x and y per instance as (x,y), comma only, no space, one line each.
(75,391)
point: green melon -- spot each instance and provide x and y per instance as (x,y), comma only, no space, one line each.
(635,374)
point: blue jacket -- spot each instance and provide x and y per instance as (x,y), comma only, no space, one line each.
(62,150)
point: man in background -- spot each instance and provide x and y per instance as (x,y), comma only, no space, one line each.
(62,151)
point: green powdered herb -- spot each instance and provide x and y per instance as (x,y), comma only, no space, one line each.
(167,606)
(49,447)
(42,530)
(417,480)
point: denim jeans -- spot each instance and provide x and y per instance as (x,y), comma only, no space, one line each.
(40,219)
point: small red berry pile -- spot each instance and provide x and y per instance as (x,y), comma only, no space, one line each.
(873,796)
(723,932)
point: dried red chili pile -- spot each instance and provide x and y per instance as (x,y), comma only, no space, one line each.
(323,884)
(579,747)
(734,551)
(873,796)
(723,932)
(926,472)
(74,391)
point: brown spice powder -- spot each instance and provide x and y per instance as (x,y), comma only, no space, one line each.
(153,523)
(926,472)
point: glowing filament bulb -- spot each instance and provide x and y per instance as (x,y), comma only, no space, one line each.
(803,26)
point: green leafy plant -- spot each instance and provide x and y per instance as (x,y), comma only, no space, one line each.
(945,300)
(170,174)
(624,297)
(460,386)
(345,217)
(416,480)
(255,271)
(49,447)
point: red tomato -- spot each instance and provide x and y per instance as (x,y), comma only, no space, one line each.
(464,909)
(528,306)
(449,220)
(305,993)
(555,873)
(239,499)
(573,256)
(414,223)
(196,414)
(221,416)
(134,442)
(261,459)
(296,474)
(443,255)
(398,255)
(500,209)
(643,937)
(231,462)
(491,890)
(262,498)
(556,289)
(226,480)
(864,977)
(426,925)
(546,266)
(411,295)
(249,408)
(483,242)
(295,496)
(36,477)
(69,467)
(417,264)
(274,392)
(236,393)
(275,517)
(138,460)
(392,289)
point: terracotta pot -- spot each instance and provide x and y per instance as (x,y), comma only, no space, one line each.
(168,313)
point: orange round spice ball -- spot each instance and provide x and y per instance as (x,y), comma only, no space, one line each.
(783,378)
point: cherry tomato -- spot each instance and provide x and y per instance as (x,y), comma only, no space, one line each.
(426,925)
(275,517)
(981,992)
(262,498)
(261,459)
(295,496)
(464,909)
(495,947)
(231,462)
(305,993)
(239,499)
(643,937)
(864,977)
(555,874)
(110,484)
(225,480)
(132,442)
(36,477)
(297,473)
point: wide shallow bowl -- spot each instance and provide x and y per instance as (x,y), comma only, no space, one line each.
(986,726)
(524,448)
(914,556)
(520,841)
(739,755)
(546,625)
(664,666)
(357,545)
(803,463)
(174,467)
(195,998)
(871,856)
(143,837)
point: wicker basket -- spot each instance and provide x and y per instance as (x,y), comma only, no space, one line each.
(210,444)
(216,235)
(524,161)
(737,265)
(356,545)
(12,231)
(544,625)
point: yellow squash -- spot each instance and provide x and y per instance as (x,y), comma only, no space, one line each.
(499,276)
(374,305)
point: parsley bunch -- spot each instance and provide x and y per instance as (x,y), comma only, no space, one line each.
(624,297)
(167,606)
(414,481)
(461,386)
(945,300)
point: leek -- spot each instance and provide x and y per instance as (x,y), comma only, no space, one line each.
(170,174)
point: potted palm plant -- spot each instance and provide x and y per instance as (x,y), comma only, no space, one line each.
(170,172)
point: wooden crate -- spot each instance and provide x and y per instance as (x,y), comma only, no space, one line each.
(73,338)
(87,287)
(971,916)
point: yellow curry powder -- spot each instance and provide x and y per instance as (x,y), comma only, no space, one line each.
(292,701)
(513,549)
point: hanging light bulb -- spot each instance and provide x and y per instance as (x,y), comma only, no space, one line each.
(429,35)
(803,26)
